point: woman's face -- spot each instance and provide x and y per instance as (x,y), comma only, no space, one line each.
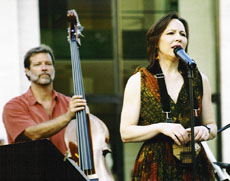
(174,35)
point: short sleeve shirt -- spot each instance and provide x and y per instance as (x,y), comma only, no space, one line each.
(24,111)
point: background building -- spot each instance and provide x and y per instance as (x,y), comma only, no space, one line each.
(113,46)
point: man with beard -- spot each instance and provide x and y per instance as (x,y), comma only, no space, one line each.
(41,112)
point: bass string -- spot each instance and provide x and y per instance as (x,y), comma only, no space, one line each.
(82,119)
(79,133)
(83,113)
(83,134)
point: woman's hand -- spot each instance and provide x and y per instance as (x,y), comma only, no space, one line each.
(176,131)
(201,133)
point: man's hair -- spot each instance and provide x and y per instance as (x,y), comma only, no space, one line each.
(40,49)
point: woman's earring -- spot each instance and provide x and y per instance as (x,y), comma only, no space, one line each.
(156,53)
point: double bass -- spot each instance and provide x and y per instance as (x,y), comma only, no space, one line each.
(86,137)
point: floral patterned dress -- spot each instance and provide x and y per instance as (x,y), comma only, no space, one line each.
(155,160)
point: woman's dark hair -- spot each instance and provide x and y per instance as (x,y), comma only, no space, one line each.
(154,33)
(40,49)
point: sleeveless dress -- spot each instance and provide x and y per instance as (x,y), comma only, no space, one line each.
(155,160)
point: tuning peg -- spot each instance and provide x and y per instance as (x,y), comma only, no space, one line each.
(79,42)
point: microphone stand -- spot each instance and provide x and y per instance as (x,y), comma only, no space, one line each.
(224,128)
(191,99)
(190,64)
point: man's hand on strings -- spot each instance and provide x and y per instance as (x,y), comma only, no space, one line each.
(76,104)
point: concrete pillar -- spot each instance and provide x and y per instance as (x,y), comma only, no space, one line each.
(19,31)
(200,17)
(224,14)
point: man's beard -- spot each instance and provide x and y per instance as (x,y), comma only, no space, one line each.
(42,81)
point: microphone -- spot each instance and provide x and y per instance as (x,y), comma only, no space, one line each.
(179,52)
